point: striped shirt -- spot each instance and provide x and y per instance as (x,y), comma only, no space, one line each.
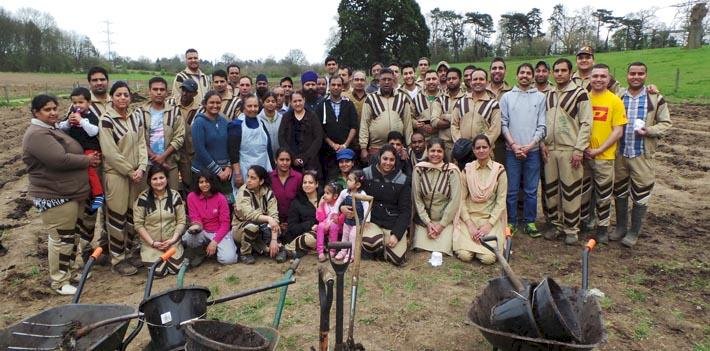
(632,143)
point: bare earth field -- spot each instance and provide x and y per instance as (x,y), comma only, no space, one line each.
(657,295)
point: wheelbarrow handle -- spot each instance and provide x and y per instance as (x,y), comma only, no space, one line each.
(87,268)
(83,331)
(585,263)
(245,293)
(363,197)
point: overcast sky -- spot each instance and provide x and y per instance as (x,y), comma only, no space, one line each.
(251,29)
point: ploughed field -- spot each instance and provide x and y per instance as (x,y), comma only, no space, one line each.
(656,294)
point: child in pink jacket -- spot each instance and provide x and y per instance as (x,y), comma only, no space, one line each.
(330,220)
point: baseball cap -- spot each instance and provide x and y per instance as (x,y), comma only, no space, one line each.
(585,50)
(345,154)
(442,63)
(189,85)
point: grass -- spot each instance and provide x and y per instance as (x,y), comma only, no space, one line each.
(635,295)
(694,82)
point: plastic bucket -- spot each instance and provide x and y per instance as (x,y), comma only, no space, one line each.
(206,335)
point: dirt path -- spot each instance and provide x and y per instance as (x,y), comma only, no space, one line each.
(656,295)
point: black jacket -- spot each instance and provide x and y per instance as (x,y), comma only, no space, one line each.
(301,217)
(337,130)
(302,138)
(392,205)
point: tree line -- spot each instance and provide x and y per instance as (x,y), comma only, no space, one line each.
(385,31)
(467,36)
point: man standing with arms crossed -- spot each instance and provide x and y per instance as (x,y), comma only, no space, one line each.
(423,103)
(523,127)
(188,106)
(193,72)
(634,173)
(568,121)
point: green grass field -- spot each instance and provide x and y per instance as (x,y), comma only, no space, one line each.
(694,80)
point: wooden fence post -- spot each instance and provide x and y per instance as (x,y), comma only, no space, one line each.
(677,79)
(7,94)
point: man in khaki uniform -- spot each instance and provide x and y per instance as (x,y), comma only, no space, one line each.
(585,62)
(423,68)
(467,71)
(192,71)
(358,94)
(498,86)
(188,106)
(423,103)
(233,75)
(98,84)
(383,111)
(477,113)
(164,129)
(634,169)
(568,122)
(231,105)
(443,106)
(542,76)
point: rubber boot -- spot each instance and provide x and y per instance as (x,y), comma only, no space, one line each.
(621,207)
(603,234)
(638,213)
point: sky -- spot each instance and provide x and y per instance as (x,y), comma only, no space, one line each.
(253,29)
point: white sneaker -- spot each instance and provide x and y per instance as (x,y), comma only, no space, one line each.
(66,289)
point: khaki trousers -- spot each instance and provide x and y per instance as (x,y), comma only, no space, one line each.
(562,189)
(63,242)
(375,239)
(121,193)
(598,178)
(635,176)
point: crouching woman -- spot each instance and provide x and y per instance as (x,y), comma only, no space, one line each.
(159,218)
(484,189)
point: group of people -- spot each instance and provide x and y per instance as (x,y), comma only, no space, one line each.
(449,156)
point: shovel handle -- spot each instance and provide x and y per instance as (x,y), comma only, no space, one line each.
(590,244)
(517,284)
(507,232)
(362,197)
(585,263)
(171,251)
(339,245)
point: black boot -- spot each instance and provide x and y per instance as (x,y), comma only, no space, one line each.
(621,207)
(603,234)
(196,255)
(638,213)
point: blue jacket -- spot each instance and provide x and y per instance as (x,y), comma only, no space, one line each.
(209,140)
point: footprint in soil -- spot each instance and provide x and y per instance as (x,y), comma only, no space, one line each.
(21,208)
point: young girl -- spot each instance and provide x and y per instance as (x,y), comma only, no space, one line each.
(355,182)
(272,119)
(330,220)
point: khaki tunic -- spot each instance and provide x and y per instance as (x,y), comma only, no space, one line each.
(381,115)
(161,224)
(568,119)
(357,102)
(471,117)
(491,211)
(123,143)
(436,195)
(204,82)
(173,129)
(423,112)
(442,109)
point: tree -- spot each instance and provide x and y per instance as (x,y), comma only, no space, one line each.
(380,31)
(482,29)
(297,57)
(695,25)
(602,16)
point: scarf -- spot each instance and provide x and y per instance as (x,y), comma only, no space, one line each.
(482,189)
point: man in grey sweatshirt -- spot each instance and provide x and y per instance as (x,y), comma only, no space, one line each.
(523,127)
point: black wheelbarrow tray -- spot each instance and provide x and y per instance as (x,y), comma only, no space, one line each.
(46,330)
(584,306)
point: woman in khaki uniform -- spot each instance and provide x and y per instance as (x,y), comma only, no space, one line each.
(159,217)
(256,217)
(437,194)
(483,212)
(122,139)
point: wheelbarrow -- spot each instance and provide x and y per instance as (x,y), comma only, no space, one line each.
(167,312)
(72,326)
(585,308)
